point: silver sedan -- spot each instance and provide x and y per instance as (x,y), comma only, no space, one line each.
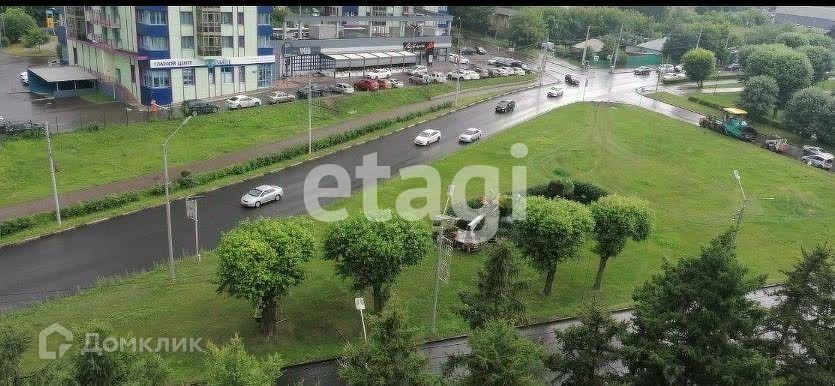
(262,195)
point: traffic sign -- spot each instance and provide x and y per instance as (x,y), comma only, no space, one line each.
(359,303)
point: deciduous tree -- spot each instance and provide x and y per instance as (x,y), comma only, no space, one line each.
(694,325)
(261,260)
(552,231)
(231,365)
(791,69)
(586,351)
(820,58)
(699,64)
(16,23)
(759,95)
(497,289)
(498,357)
(792,39)
(616,220)
(808,111)
(473,18)
(35,37)
(803,322)
(373,252)
(390,357)
(526,28)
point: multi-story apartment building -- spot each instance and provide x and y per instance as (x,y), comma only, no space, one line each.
(168,54)
(343,37)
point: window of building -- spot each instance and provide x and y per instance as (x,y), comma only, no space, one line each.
(153,43)
(226,18)
(157,79)
(226,41)
(212,75)
(240,18)
(226,74)
(264,19)
(133,73)
(265,75)
(188,77)
(153,17)
(242,74)
(241,41)
(186,17)
(188,42)
(264,41)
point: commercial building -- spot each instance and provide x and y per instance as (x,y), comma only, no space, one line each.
(340,39)
(168,54)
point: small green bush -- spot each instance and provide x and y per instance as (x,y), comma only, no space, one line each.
(586,192)
(186,180)
(16,225)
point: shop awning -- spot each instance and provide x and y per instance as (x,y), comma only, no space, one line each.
(372,59)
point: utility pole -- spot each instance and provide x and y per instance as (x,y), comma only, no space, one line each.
(309,112)
(617,46)
(52,172)
(699,39)
(450,190)
(542,65)
(744,198)
(458,66)
(168,198)
(585,48)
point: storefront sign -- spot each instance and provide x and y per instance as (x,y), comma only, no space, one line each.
(194,62)
(412,46)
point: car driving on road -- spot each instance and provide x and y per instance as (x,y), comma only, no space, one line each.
(280,97)
(470,135)
(342,88)
(428,136)
(643,70)
(262,195)
(555,92)
(505,106)
(241,101)
(571,79)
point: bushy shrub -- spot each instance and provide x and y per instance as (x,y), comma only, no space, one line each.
(586,192)
(16,225)
(561,188)
(186,180)
(92,206)
(538,190)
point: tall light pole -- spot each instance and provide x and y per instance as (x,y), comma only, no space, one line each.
(450,190)
(744,198)
(585,48)
(168,198)
(309,113)
(458,65)
(52,173)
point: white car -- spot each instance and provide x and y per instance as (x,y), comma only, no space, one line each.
(436,77)
(471,75)
(342,88)
(503,71)
(455,58)
(666,68)
(427,137)
(555,91)
(378,73)
(24,77)
(674,76)
(396,83)
(262,195)
(518,71)
(241,101)
(417,70)
(457,74)
(821,160)
(471,135)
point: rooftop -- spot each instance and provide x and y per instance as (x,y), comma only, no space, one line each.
(655,45)
(593,44)
(62,73)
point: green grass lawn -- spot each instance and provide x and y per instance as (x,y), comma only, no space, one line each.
(97,97)
(828,84)
(683,170)
(85,159)
(726,99)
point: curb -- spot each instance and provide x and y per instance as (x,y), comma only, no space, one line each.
(271,171)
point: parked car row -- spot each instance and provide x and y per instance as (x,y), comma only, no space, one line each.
(430,136)
(473,51)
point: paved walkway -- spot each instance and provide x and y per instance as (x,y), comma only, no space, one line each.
(149,180)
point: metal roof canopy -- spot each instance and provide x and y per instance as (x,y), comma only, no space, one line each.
(734,111)
(62,73)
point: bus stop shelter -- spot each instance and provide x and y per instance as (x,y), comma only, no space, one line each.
(61,81)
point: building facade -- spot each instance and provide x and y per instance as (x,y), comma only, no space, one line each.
(169,54)
(335,38)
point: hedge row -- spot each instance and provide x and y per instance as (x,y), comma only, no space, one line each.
(685,80)
(187,180)
(84,208)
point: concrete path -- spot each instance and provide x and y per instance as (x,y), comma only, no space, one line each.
(325,372)
(149,180)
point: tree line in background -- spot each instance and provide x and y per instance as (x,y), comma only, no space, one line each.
(21,26)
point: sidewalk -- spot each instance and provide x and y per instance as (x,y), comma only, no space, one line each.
(149,180)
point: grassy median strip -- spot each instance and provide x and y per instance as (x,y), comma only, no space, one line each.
(684,172)
(88,158)
(21,228)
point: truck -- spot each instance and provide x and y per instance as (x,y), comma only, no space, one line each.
(731,124)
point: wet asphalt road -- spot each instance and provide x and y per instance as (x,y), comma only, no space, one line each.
(58,264)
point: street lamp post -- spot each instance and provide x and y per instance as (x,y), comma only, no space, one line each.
(309,114)
(450,190)
(191,212)
(52,173)
(744,198)
(359,304)
(168,198)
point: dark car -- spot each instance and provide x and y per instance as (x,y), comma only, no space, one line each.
(572,80)
(314,88)
(505,106)
(417,79)
(734,67)
(468,51)
(643,70)
(367,85)
(480,51)
(198,106)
